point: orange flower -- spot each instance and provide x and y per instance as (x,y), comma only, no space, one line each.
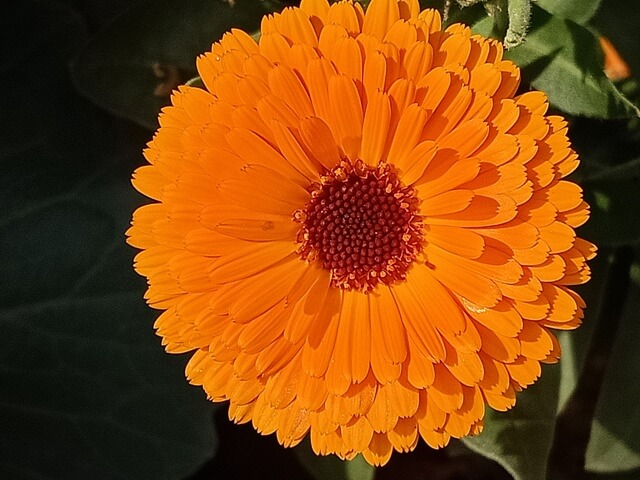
(360,230)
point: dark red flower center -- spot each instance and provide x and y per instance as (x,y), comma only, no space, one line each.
(361,224)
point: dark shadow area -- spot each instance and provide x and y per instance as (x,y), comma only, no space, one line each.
(246,455)
(573,426)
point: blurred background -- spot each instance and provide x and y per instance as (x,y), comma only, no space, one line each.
(86,390)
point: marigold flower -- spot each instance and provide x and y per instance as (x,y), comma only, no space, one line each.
(361,230)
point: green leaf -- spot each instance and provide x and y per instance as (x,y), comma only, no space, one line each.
(131,68)
(612,447)
(630,475)
(563,59)
(520,439)
(87,391)
(614,212)
(628,171)
(575,344)
(331,467)
(580,11)
(614,444)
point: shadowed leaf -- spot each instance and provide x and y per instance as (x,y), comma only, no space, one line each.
(131,67)
(614,445)
(521,438)
(580,11)
(87,391)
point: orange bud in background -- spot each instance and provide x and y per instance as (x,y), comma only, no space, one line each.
(615,67)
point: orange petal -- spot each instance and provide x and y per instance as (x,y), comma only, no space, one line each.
(456,240)
(374,128)
(346,116)
(319,142)
(249,260)
(446,391)
(380,15)
(417,321)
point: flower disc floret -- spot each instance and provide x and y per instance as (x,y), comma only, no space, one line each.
(362,225)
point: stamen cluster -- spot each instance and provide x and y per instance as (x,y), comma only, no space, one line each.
(362,225)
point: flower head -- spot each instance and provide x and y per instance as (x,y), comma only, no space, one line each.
(361,231)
